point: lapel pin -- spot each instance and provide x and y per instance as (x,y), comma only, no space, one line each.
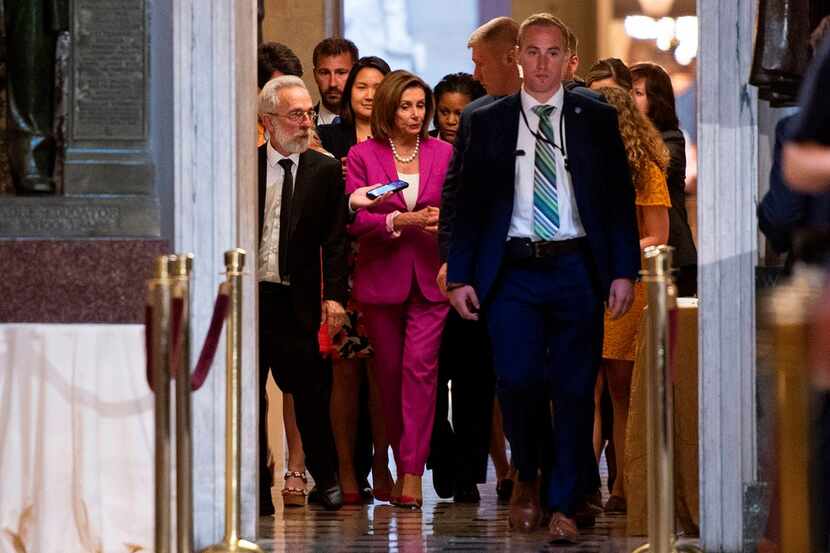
(577,110)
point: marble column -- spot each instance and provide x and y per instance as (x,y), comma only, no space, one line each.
(727,196)
(214,116)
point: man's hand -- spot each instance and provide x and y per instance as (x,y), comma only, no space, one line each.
(807,166)
(359,200)
(334,316)
(441,279)
(465,302)
(620,297)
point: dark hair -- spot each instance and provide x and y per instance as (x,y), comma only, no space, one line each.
(334,46)
(463,83)
(660,94)
(274,56)
(610,68)
(387,98)
(371,62)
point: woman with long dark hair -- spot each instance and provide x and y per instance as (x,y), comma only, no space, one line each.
(654,96)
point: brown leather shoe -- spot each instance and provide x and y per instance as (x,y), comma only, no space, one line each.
(525,512)
(563,529)
(585,516)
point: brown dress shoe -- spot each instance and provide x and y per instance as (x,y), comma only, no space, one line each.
(585,516)
(525,512)
(563,529)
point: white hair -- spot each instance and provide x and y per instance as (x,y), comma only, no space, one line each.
(269,96)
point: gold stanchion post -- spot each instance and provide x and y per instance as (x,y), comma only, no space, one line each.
(662,298)
(159,291)
(790,310)
(234,263)
(180,266)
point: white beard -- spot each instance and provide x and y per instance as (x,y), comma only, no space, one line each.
(295,145)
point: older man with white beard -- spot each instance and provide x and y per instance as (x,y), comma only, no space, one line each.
(302,211)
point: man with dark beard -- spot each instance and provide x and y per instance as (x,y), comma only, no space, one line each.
(303,213)
(333,58)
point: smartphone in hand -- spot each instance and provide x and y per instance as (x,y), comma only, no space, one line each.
(394,186)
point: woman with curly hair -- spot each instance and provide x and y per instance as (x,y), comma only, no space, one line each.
(647,159)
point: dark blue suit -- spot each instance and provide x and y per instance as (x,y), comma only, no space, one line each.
(783,212)
(545,315)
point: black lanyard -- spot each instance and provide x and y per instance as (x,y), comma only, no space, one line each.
(543,138)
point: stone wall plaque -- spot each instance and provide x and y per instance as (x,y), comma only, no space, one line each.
(81,217)
(108,150)
(109,70)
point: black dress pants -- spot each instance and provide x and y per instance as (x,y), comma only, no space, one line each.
(291,352)
(466,359)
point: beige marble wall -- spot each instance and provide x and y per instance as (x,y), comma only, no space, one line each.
(299,24)
(580,16)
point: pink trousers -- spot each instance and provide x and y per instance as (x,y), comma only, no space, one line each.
(406,339)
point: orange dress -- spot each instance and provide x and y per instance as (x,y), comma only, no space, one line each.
(621,335)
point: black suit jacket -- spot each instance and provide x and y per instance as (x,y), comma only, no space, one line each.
(601,181)
(680,233)
(318,224)
(337,139)
(453,178)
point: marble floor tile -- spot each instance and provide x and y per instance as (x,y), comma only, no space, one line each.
(440,526)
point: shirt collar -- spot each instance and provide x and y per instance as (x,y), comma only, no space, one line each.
(557,100)
(274,157)
(324,113)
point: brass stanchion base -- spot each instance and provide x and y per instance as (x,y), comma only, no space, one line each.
(675,548)
(240,546)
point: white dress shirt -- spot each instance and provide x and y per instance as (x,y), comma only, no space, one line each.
(324,116)
(521,222)
(268,268)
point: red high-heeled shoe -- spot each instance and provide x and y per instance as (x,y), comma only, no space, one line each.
(382,495)
(411,482)
(350,498)
(407,502)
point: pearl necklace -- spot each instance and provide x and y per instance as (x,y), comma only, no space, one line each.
(406,159)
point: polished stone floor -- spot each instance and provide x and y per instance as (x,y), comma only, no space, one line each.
(441,526)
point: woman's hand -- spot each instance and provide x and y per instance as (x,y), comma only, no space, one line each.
(425,219)
(359,200)
(333,316)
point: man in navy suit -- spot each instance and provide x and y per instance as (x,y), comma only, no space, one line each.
(544,232)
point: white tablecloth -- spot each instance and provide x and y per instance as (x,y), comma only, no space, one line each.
(76,440)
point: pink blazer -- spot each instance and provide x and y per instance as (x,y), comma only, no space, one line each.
(386,264)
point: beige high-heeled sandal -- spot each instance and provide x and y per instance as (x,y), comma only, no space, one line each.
(294,497)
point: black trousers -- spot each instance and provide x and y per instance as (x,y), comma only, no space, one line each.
(291,353)
(466,359)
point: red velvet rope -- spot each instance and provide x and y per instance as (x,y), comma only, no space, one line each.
(220,312)
(148,342)
(177,342)
(672,345)
(211,344)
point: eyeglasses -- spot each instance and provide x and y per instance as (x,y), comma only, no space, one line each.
(297,115)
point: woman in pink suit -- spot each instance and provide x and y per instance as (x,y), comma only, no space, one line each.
(394,277)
